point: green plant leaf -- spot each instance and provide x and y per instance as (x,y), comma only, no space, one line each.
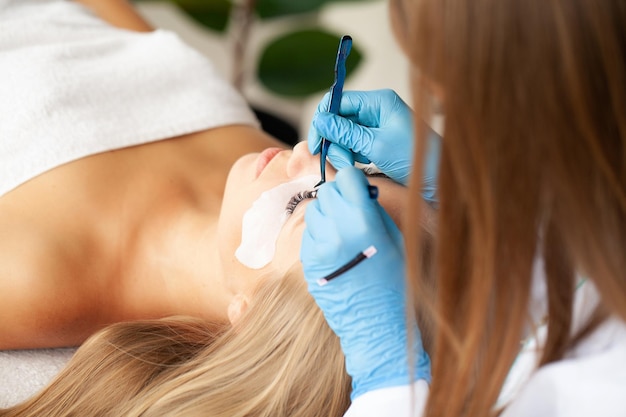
(266,9)
(302,63)
(212,14)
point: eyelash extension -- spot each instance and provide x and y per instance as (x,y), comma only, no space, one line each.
(298,198)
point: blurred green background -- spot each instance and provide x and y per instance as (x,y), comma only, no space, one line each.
(293,64)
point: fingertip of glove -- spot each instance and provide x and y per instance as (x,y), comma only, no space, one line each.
(322,125)
(351,173)
(311,210)
(340,157)
(322,119)
(353,184)
(314,145)
(314,140)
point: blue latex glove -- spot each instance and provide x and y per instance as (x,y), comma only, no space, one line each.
(373,126)
(365,306)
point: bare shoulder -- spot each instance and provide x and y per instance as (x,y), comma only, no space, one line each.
(41,305)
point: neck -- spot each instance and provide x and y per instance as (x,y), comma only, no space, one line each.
(167,249)
(171,262)
(176,269)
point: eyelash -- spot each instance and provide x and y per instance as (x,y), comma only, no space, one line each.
(370,171)
(298,198)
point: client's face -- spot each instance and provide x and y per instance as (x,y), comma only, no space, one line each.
(278,175)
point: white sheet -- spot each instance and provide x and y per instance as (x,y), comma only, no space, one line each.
(23,373)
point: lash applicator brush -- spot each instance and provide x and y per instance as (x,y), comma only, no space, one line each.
(367,253)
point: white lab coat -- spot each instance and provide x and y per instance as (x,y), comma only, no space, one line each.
(589,381)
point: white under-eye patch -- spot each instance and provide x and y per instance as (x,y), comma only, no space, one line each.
(263,221)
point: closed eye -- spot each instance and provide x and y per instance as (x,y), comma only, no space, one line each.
(298,198)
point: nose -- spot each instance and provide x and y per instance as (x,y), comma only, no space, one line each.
(301,162)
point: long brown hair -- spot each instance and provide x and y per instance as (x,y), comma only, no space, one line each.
(533,163)
(280,359)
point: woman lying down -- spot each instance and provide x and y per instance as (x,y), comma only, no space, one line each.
(136,186)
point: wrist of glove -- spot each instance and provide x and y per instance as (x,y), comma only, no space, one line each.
(366,305)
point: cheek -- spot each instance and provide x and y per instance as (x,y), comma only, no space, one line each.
(235,200)
(289,242)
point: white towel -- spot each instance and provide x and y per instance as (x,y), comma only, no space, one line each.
(23,373)
(72,86)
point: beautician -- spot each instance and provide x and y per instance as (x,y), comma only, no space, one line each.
(529,267)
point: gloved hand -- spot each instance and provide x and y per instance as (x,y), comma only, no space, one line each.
(366,305)
(373,126)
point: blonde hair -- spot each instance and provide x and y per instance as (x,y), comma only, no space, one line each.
(280,359)
(533,162)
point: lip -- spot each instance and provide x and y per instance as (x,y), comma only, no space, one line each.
(264,158)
